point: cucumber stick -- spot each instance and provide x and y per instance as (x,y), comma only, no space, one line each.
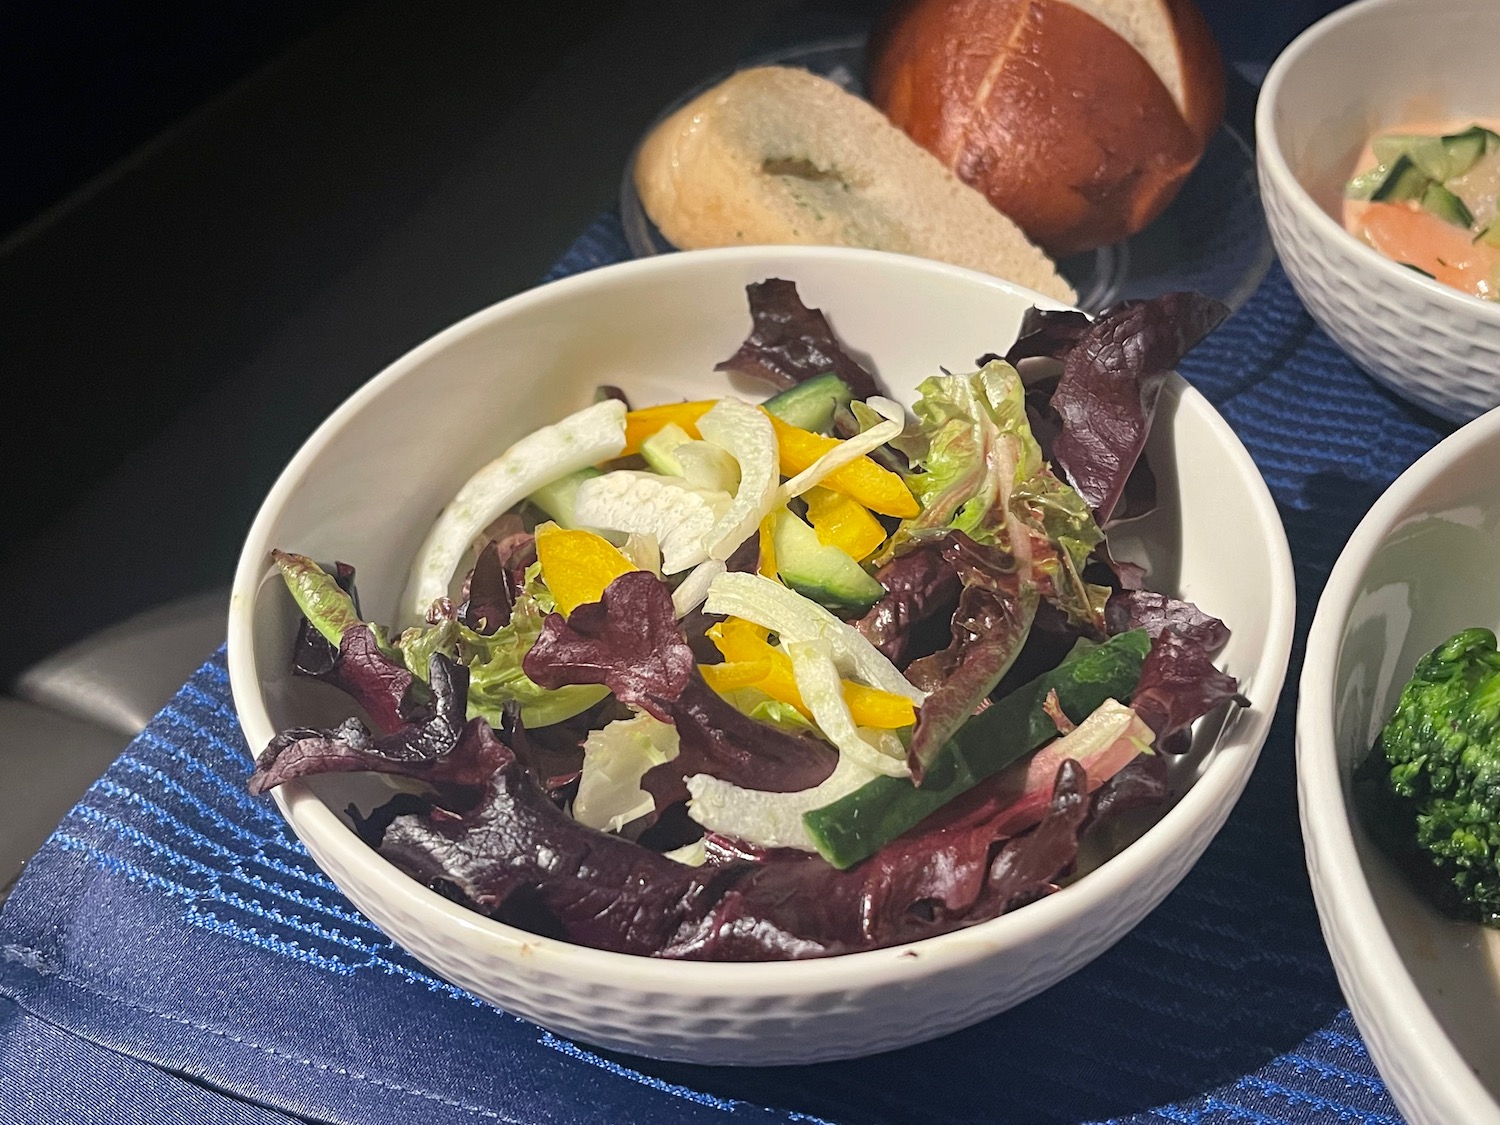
(558,497)
(860,824)
(826,574)
(811,404)
(660,449)
(1441,202)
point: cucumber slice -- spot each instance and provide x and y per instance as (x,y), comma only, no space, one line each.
(1428,153)
(1364,185)
(826,574)
(1441,202)
(1464,149)
(855,827)
(658,449)
(1438,158)
(810,405)
(1404,181)
(673,453)
(558,498)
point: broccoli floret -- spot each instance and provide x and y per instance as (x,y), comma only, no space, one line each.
(1438,764)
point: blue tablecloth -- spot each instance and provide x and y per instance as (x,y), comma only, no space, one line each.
(173,954)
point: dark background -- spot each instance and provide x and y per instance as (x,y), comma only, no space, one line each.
(217,220)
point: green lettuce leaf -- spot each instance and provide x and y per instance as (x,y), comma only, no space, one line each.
(981,471)
(494,661)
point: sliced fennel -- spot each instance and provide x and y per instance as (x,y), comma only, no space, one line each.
(615,758)
(679,515)
(693,589)
(706,465)
(642,549)
(823,693)
(746,434)
(1111,736)
(770,820)
(794,618)
(690,855)
(673,452)
(593,434)
(851,449)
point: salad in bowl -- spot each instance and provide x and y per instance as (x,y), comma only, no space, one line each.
(770,769)
(713,679)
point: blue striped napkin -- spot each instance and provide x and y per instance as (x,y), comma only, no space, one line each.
(173,954)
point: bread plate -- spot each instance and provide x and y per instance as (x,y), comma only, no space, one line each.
(1212,239)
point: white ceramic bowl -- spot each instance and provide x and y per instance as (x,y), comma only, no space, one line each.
(1424,990)
(368,483)
(1376,65)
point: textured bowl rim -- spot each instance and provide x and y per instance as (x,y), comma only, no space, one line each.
(1419,1046)
(1273,163)
(1210,799)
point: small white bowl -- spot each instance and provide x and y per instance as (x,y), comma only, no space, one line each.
(1424,990)
(1376,65)
(366,486)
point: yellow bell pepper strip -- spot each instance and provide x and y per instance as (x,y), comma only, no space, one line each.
(577,565)
(733,675)
(739,640)
(744,646)
(767,565)
(843,522)
(872,707)
(641,424)
(874,487)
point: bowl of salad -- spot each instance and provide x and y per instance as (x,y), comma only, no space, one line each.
(1398,771)
(766,655)
(1380,182)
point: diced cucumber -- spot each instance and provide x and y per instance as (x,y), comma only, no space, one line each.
(1403,182)
(1438,158)
(1364,185)
(658,449)
(673,453)
(1464,149)
(1441,202)
(859,825)
(826,574)
(1422,150)
(810,404)
(557,499)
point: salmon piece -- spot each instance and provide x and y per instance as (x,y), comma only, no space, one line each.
(1405,233)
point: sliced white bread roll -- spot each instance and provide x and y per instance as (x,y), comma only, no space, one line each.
(780,155)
